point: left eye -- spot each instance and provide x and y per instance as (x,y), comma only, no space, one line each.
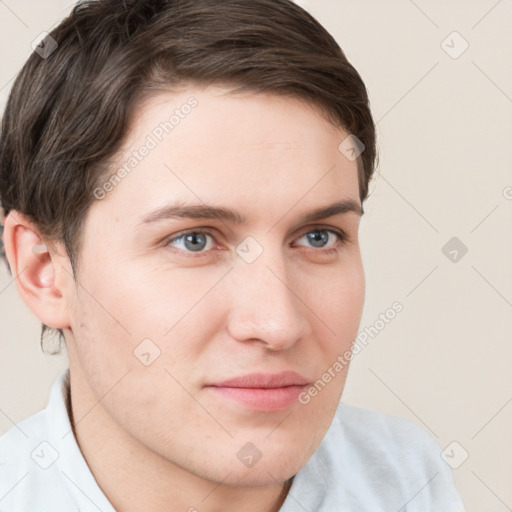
(321,238)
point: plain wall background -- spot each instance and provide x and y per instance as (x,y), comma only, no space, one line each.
(445,138)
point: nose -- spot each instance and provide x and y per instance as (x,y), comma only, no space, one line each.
(267,306)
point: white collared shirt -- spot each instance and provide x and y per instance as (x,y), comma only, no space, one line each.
(367,462)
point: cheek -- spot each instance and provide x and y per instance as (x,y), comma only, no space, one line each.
(351,301)
(338,301)
(141,342)
(124,314)
(339,304)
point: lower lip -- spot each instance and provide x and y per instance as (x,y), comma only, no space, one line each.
(262,399)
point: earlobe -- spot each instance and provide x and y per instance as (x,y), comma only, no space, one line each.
(35,270)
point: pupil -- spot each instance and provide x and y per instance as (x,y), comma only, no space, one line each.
(195,241)
(318,238)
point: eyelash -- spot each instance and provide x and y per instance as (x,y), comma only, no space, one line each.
(341,236)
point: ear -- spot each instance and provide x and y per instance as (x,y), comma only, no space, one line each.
(41,270)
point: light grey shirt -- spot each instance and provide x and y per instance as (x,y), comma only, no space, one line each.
(367,462)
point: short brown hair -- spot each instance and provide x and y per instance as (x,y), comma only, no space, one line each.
(68,114)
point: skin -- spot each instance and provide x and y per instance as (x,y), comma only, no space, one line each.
(211,314)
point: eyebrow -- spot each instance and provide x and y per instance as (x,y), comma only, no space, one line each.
(205,211)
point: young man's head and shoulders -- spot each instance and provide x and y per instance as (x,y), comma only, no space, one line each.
(184,205)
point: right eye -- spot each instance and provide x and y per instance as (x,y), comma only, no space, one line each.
(192,241)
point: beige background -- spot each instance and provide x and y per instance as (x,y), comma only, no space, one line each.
(445,134)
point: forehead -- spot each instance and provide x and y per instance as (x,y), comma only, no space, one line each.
(258,152)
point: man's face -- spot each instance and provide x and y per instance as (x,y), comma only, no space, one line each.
(160,321)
